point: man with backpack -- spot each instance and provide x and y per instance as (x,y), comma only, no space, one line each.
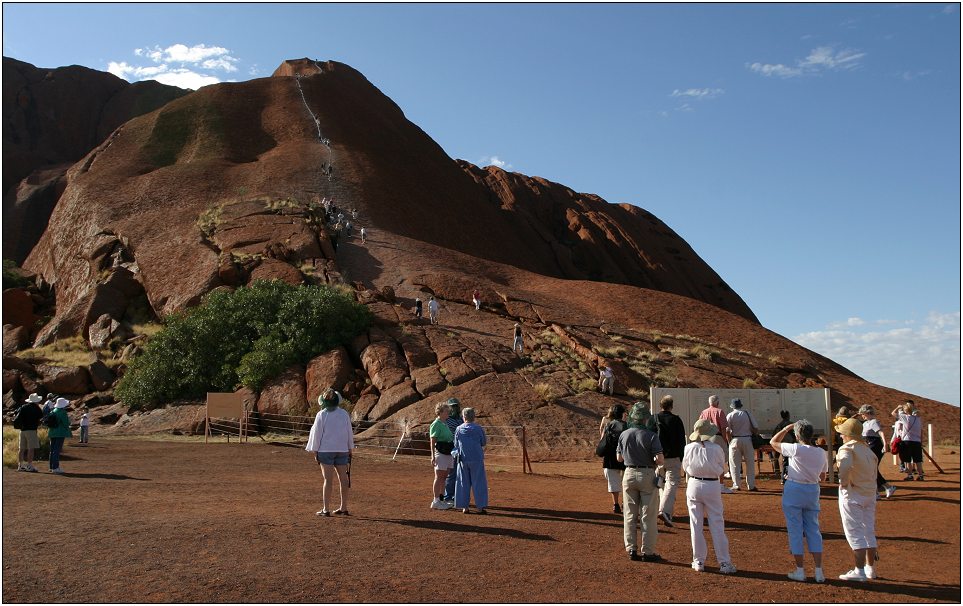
(27,420)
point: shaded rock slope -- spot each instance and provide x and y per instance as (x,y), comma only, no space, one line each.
(225,185)
(51,119)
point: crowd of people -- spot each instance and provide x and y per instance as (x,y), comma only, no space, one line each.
(644,460)
(644,456)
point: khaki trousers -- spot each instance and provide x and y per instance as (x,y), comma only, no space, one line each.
(640,498)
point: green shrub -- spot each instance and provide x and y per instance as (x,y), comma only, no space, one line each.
(245,337)
(11,275)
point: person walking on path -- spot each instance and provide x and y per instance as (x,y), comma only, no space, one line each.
(672,436)
(704,463)
(433,310)
(470,441)
(364,234)
(613,424)
(740,430)
(27,420)
(441,442)
(857,499)
(476,299)
(639,448)
(57,433)
(453,421)
(517,339)
(800,496)
(418,308)
(875,439)
(332,442)
(606,379)
(911,444)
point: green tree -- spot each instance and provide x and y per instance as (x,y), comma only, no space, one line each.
(245,337)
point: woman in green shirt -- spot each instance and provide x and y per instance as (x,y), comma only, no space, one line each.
(442,441)
(58,433)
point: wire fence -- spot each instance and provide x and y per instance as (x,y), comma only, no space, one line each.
(380,439)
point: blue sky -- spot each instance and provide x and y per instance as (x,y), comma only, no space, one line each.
(810,153)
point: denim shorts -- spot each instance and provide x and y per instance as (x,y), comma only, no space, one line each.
(332,458)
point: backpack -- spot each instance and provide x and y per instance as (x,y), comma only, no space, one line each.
(18,417)
(51,421)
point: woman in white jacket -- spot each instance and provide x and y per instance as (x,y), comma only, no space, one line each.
(332,441)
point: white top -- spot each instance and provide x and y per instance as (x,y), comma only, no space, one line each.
(331,432)
(740,423)
(703,460)
(433,306)
(912,430)
(805,462)
(871,428)
(607,373)
(84,421)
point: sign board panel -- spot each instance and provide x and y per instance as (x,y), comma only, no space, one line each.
(763,404)
(225,405)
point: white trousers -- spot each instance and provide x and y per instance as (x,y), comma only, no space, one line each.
(673,473)
(740,449)
(858,513)
(706,498)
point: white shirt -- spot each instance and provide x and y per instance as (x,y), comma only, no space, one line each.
(912,428)
(805,462)
(700,461)
(433,306)
(740,423)
(331,432)
(871,428)
(84,421)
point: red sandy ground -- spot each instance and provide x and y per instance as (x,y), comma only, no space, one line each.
(143,521)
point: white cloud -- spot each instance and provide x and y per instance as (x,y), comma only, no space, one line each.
(178,65)
(768,69)
(820,59)
(921,357)
(698,93)
(913,75)
(494,161)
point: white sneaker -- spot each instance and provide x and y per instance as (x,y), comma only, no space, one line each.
(439,504)
(869,571)
(889,491)
(698,566)
(726,490)
(57,471)
(727,568)
(734,487)
(819,577)
(856,574)
(727,475)
(797,575)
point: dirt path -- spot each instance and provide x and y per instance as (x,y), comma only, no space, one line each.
(140,521)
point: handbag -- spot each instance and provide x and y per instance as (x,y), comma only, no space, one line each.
(894,445)
(602,446)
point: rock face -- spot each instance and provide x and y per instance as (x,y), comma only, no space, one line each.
(224,185)
(52,117)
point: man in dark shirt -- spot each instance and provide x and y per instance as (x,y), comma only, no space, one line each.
(453,421)
(672,437)
(28,418)
(789,439)
(639,448)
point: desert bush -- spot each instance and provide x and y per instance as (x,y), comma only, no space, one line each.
(665,378)
(582,385)
(12,277)
(11,444)
(546,392)
(244,337)
(616,351)
(704,353)
(73,351)
(749,384)
(636,393)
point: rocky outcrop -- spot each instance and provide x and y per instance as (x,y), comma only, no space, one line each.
(53,117)
(332,369)
(284,396)
(64,379)
(384,364)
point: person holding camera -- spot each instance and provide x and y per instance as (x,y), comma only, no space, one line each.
(704,462)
